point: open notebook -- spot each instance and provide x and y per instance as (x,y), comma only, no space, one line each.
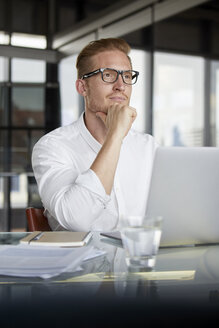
(57,238)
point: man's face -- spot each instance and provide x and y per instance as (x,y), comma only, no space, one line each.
(101,95)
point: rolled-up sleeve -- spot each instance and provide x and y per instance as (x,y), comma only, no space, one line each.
(75,199)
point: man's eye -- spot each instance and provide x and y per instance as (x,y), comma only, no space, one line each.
(128,76)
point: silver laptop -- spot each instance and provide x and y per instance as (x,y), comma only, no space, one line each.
(185,192)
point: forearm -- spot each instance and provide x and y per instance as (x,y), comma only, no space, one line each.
(75,203)
(106,161)
(118,121)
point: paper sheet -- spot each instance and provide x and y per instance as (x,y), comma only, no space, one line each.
(44,262)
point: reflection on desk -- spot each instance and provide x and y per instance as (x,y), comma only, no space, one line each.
(184,283)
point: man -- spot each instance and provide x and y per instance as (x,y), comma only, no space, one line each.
(96,170)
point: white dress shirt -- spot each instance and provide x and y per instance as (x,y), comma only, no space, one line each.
(72,194)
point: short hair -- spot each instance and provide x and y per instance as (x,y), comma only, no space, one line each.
(83,63)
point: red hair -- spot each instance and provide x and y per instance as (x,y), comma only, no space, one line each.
(83,63)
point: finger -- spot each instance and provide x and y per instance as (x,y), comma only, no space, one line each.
(133,112)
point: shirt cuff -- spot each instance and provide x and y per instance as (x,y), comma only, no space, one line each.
(90,181)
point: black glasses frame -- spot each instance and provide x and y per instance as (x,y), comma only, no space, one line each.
(119,72)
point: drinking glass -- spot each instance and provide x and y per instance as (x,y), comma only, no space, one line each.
(141,240)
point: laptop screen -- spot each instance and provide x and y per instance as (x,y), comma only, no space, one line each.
(185,192)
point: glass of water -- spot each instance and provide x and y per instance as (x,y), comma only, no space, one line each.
(141,240)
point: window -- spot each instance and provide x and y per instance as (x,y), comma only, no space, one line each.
(139,91)
(15,183)
(28,40)
(3,69)
(1,193)
(178,100)
(4,38)
(217,107)
(215,102)
(19,195)
(70,110)
(1,107)
(28,105)
(28,70)
(2,142)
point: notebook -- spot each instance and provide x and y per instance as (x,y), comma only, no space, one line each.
(57,238)
(185,192)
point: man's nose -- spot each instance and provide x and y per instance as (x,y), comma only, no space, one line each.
(119,84)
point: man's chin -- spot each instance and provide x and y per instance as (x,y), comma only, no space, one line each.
(101,111)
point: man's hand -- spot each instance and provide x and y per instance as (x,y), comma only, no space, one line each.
(118,122)
(118,119)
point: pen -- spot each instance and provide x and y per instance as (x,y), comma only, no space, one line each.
(37,237)
(87,238)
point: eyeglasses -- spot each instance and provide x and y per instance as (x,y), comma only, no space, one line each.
(111,75)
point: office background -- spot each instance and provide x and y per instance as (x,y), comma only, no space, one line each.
(175,46)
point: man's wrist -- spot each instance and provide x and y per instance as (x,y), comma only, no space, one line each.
(114,137)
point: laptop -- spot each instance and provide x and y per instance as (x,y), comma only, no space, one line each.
(185,192)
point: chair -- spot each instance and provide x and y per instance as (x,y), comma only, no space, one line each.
(36,220)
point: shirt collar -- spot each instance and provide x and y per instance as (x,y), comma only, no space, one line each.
(92,142)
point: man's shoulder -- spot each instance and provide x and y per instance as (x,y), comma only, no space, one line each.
(141,144)
(136,137)
(60,134)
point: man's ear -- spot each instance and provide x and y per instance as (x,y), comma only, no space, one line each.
(81,87)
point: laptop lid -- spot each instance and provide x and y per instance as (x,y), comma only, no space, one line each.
(185,192)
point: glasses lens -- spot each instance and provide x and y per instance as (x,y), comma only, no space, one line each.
(130,77)
(109,75)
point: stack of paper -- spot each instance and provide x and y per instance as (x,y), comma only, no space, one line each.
(44,262)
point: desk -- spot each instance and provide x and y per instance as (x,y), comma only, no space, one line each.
(184,286)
